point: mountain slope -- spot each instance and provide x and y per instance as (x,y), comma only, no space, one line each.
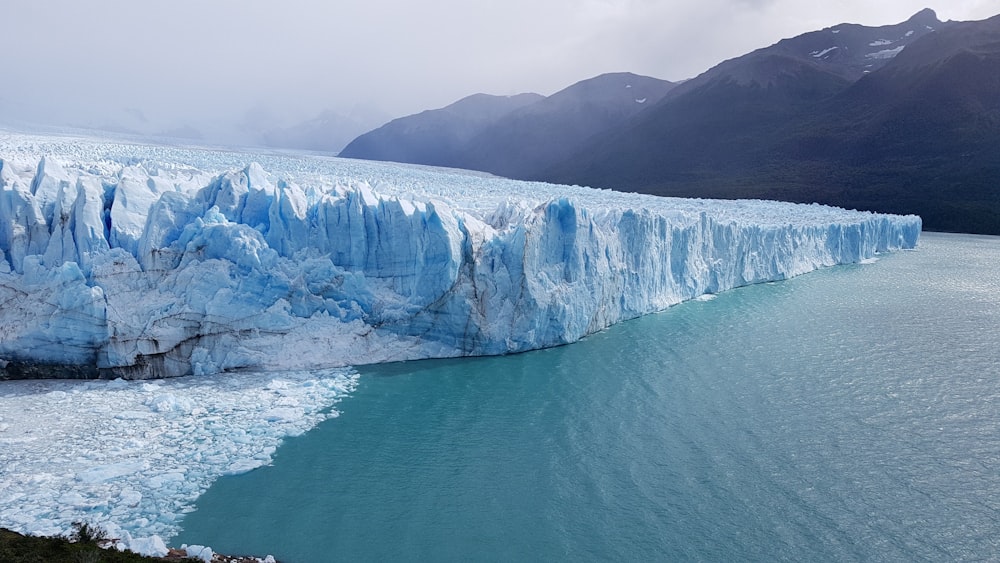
(921,134)
(512,136)
(435,137)
(552,129)
(916,133)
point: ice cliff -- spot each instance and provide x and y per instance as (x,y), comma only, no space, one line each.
(141,262)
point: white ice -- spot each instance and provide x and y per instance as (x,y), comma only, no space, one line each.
(819,54)
(133,457)
(886,53)
(149,261)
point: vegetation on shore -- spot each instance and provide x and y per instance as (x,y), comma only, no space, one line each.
(86,544)
(82,546)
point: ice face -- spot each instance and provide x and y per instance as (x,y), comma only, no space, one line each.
(141,261)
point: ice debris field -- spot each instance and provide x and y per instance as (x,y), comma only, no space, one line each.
(138,261)
(133,456)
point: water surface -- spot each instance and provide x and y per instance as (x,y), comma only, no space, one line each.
(849,414)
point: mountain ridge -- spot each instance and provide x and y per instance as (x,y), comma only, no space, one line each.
(902,118)
(511,136)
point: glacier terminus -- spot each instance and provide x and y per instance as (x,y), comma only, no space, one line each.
(141,261)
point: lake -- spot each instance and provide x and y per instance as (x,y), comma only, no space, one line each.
(849,414)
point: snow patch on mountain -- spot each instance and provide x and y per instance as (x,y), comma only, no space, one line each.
(886,53)
(821,54)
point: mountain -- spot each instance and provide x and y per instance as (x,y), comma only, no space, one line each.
(910,126)
(901,118)
(328,132)
(554,128)
(436,137)
(717,124)
(512,136)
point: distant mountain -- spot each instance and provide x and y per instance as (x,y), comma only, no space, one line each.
(437,137)
(328,132)
(512,136)
(552,129)
(917,131)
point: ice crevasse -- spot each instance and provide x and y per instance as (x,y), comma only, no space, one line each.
(138,265)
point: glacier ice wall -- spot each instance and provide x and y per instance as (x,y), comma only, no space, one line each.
(140,262)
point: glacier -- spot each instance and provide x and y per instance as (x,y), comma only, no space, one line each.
(138,261)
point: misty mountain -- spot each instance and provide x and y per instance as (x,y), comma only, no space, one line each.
(554,128)
(329,132)
(259,126)
(914,133)
(436,137)
(512,136)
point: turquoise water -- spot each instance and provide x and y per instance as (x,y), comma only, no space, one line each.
(849,414)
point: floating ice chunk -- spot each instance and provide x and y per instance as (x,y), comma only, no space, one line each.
(130,498)
(199,552)
(168,403)
(243,465)
(282,414)
(152,546)
(76,500)
(110,471)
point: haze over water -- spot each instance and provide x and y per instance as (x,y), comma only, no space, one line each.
(848,414)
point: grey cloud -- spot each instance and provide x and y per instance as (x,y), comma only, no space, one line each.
(190,63)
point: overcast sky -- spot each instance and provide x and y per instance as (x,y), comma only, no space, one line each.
(186,60)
